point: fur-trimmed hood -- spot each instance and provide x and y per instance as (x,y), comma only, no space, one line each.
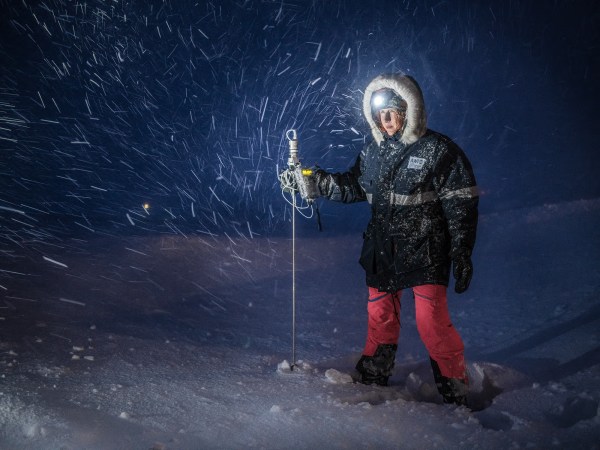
(407,88)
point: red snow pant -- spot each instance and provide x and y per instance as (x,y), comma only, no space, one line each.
(433,323)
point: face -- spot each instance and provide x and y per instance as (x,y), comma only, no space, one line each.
(391,120)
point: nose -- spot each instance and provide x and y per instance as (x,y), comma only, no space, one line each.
(387,116)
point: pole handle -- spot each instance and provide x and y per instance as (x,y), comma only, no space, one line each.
(292,136)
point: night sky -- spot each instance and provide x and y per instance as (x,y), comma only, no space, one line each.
(107,105)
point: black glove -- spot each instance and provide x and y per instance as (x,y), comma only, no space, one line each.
(463,271)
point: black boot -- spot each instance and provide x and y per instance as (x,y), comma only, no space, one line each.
(453,390)
(377,369)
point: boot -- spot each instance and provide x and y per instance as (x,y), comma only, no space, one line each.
(453,390)
(377,369)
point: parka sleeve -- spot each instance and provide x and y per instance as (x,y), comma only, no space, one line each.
(458,192)
(341,187)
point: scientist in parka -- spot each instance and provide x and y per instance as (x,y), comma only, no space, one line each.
(423,198)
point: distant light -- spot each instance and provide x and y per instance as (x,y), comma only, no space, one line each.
(146,206)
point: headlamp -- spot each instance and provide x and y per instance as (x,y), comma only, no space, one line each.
(378,101)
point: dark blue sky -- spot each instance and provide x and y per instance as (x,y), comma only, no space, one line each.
(107,105)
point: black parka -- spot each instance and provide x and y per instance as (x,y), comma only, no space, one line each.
(422,193)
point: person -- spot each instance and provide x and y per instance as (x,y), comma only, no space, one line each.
(423,198)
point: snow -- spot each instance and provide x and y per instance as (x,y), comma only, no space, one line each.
(149,360)
(145,266)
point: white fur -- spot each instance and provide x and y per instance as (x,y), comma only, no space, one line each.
(408,89)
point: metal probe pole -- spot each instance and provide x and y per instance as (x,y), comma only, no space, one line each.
(292,163)
(293,282)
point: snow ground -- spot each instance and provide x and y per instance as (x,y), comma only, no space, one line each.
(174,342)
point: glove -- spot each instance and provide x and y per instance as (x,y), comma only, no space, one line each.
(287,179)
(463,272)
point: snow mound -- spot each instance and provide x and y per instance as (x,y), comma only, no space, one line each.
(284,367)
(336,377)
(488,380)
(24,423)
